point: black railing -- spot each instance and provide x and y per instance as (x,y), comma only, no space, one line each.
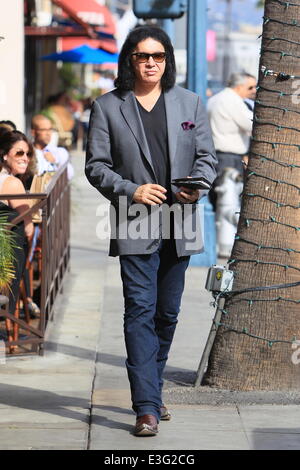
(53,253)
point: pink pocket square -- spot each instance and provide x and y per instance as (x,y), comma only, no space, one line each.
(187,125)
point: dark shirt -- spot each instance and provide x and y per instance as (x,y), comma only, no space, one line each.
(155,126)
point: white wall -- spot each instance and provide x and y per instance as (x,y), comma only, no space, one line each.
(12,63)
(244,54)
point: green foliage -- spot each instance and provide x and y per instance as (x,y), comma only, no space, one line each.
(260,3)
(68,76)
(7,246)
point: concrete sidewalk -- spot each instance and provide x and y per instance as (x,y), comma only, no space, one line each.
(77,395)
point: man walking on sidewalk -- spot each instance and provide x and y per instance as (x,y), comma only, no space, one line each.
(231,121)
(142,135)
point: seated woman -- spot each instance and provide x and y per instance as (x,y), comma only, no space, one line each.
(15,154)
(27,179)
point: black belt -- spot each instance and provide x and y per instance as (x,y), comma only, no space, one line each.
(239,155)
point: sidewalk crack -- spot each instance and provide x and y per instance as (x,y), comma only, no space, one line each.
(242,423)
(90,418)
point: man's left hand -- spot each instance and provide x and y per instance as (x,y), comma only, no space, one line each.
(187,196)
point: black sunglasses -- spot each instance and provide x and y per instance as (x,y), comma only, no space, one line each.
(142,57)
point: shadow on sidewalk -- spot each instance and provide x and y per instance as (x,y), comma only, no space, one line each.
(101,420)
(99,251)
(275,439)
(39,400)
(171,374)
(51,403)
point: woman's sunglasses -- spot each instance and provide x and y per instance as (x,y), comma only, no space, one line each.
(21,153)
(142,57)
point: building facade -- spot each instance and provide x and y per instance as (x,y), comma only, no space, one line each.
(12,75)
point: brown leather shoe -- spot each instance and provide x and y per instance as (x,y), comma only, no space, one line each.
(165,414)
(146,425)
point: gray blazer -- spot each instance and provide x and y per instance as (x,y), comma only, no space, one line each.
(118,160)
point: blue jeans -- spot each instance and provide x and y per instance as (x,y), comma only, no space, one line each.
(152,287)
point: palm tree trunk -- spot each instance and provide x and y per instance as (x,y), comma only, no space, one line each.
(255,344)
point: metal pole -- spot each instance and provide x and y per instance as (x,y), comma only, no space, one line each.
(226,41)
(168,26)
(197,82)
(209,343)
(112,6)
(196,47)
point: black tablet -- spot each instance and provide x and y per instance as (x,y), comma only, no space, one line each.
(192,183)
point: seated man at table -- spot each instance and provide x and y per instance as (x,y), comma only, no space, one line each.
(49,157)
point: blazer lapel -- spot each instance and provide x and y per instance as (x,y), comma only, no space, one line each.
(173,113)
(131,115)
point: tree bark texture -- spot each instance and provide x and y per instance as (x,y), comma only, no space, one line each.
(246,354)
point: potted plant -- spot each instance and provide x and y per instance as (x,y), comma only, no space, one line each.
(6,258)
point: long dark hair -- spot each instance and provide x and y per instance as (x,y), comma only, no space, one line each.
(126,77)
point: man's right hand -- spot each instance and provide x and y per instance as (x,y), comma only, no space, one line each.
(151,194)
(49,156)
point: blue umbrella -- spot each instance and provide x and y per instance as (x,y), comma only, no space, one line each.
(83,55)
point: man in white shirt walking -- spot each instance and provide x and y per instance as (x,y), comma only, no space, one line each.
(231,121)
